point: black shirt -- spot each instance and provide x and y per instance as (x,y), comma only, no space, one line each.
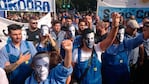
(33,35)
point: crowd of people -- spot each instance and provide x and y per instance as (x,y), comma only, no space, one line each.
(77,49)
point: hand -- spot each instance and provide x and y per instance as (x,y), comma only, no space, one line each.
(49,36)
(116,19)
(7,63)
(141,63)
(67,45)
(89,20)
(44,39)
(24,58)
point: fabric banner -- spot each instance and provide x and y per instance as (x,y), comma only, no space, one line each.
(46,20)
(28,5)
(2,13)
(138,8)
(4,23)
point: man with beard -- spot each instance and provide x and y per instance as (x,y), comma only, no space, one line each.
(33,31)
(16,56)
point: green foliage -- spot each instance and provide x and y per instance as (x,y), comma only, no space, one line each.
(80,5)
(58,3)
(84,5)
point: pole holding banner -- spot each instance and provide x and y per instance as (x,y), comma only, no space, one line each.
(54,9)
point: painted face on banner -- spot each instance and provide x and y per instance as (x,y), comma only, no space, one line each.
(120,34)
(72,29)
(42,68)
(89,40)
(45,30)
(24,34)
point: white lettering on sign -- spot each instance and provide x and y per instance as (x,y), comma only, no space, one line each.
(25,5)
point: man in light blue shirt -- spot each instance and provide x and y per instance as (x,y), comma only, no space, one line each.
(57,34)
(41,64)
(16,55)
(115,58)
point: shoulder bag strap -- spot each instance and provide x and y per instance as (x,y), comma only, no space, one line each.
(87,68)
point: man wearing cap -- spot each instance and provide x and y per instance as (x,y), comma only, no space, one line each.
(115,58)
(133,54)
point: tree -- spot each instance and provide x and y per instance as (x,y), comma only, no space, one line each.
(58,3)
(80,5)
(87,5)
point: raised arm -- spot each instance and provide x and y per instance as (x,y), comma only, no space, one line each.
(67,45)
(141,54)
(111,36)
(53,43)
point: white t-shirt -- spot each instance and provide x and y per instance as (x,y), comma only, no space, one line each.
(86,55)
(3,77)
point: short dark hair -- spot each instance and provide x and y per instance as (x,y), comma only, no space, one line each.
(33,18)
(13,27)
(38,56)
(81,20)
(68,17)
(86,31)
(56,22)
(122,27)
(55,58)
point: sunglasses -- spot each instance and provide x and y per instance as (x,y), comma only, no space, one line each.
(34,23)
(146,24)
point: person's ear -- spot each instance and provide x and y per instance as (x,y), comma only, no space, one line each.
(32,65)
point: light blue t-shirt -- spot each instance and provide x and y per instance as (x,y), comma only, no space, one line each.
(57,75)
(4,54)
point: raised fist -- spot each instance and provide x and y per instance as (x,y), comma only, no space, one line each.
(116,19)
(67,45)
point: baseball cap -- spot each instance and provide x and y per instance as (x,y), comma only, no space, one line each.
(133,24)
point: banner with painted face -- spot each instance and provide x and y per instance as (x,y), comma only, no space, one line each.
(138,8)
(28,5)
